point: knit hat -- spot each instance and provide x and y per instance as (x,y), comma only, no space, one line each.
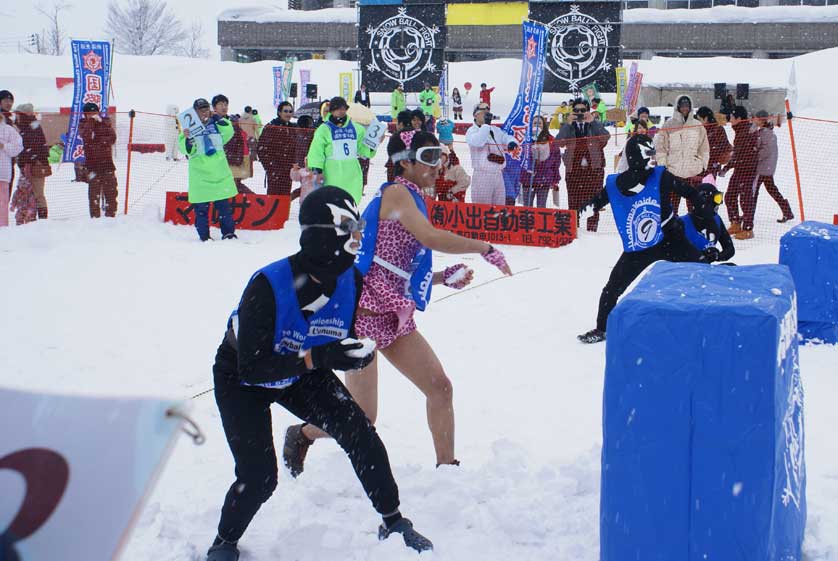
(762,114)
(25,108)
(90,108)
(642,110)
(200,103)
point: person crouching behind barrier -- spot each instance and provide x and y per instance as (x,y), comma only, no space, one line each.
(312,295)
(640,202)
(399,238)
(704,228)
(210,178)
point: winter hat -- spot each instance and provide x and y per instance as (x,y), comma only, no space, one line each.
(642,110)
(90,108)
(762,114)
(25,108)
(326,252)
(248,109)
(219,98)
(200,103)
(338,102)
(684,100)
(6,94)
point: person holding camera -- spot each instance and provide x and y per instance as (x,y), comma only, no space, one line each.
(488,144)
(583,140)
(98,137)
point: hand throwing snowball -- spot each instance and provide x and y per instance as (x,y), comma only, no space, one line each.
(312,295)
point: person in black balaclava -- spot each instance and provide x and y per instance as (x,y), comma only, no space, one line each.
(292,328)
(704,228)
(640,201)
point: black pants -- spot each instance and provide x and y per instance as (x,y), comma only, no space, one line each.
(674,247)
(318,398)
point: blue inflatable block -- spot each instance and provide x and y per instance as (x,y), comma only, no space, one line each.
(810,250)
(702,454)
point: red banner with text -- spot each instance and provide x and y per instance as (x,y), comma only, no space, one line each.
(511,225)
(250,212)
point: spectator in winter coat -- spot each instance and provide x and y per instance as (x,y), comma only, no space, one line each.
(7,100)
(486,94)
(426,101)
(452,181)
(584,159)
(457,104)
(362,97)
(397,102)
(741,189)
(544,159)
(210,178)
(280,147)
(487,144)
(681,146)
(720,147)
(642,115)
(599,106)
(335,148)
(98,136)
(11,144)
(235,149)
(767,163)
(728,105)
(34,160)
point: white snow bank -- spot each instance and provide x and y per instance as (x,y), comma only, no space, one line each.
(274,15)
(735,14)
(690,72)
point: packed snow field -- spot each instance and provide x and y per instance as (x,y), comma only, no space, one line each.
(133,307)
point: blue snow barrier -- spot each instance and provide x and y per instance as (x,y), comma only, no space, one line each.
(810,250)
(702,453)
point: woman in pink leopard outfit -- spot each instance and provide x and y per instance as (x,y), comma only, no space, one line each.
(400,243)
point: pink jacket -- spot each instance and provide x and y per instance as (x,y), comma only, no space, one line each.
(12,146)
(306,179)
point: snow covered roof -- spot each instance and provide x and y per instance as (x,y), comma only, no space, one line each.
(734,14)
(280,15)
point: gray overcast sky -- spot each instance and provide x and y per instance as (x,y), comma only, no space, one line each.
(86,18)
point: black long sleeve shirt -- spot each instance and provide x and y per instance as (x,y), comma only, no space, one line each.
(251,352)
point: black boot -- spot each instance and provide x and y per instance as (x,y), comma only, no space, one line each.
(593,336)
(42,213)
(224,551)
(412,538)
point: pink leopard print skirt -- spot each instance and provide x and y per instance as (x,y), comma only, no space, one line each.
(384,328)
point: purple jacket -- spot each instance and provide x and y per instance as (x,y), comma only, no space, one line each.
(544,162)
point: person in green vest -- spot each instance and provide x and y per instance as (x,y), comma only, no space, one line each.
(334,151)
(257,118)
(397,102)
(599,106)
(56,151)
(210,178)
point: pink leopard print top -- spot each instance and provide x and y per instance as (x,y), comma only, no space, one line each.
(384,290)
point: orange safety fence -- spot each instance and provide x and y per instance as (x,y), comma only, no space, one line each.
(148,165)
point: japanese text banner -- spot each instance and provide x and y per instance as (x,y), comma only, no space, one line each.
(250,212)
(91,79)
(510,225)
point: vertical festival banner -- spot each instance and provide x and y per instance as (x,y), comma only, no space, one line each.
(527,102)
(635,93)
(345,85)
(279,94)
(621,85)
(443,89)
(305,78)
(91,80)
(632,77)
(287,75)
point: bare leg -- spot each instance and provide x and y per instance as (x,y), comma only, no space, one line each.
(414,357)
(363,385)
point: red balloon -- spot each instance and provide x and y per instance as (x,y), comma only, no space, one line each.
(467,86)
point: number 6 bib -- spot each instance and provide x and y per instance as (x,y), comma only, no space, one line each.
(344,142)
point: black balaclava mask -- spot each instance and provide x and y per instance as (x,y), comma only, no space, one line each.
(639,153)
(326,252)
(706,207)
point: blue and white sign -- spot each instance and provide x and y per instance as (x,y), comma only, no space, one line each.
(92,81)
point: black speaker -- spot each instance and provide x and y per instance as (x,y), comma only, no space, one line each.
(719,90)
(741,91)
(293,92)
(311,91)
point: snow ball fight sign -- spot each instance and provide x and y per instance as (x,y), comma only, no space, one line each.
(810,251)
(250,212)
(512,225)
(703,435)
(74,471)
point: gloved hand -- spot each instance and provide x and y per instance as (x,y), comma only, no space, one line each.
(496,258)
(512,146)
(457,276)
(674,228)
(333,356)
(711,255)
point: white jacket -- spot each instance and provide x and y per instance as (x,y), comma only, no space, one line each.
(480,142)
(12,146)
(682,146)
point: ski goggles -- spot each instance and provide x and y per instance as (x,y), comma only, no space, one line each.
(347,226)
(428,155)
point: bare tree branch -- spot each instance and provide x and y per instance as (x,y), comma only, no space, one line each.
(55,37)
(193,46)
(145,27)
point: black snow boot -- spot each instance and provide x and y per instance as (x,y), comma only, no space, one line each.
(295,449)
(224,551)
(412,538)
(592,336)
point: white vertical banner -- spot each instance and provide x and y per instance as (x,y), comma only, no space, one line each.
(74,472)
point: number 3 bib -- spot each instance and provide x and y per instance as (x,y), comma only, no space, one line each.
(344,142)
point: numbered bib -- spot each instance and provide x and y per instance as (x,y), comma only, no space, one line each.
(344,142)
(375,133)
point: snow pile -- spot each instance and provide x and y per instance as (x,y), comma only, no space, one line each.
(279,15)
(734,14)
(691,72)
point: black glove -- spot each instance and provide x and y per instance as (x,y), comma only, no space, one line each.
(512,146)
(711,255)
(332,356)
